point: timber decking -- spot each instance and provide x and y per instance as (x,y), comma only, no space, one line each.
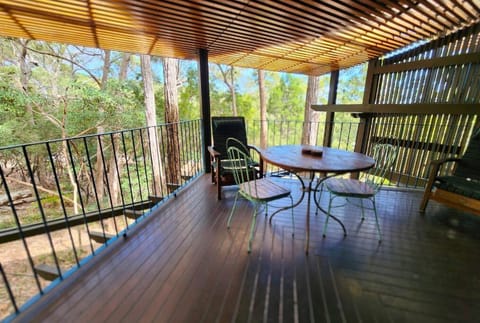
(182,265)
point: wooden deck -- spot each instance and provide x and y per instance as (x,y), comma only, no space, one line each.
(182,265)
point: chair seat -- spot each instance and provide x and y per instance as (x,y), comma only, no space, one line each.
(266,190)
(349,187)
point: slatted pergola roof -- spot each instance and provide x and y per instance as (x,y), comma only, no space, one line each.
(307,37)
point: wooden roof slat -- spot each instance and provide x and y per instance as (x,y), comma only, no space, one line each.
(300,36)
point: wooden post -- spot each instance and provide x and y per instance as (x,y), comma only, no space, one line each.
(330,118)
(205,106)
(368,93)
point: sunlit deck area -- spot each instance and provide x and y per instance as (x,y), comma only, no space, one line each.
(181,264)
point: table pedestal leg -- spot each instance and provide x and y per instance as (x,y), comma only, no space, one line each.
(309,190)
(322,209)
(307,240)
(296,203)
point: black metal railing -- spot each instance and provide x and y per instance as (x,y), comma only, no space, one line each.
(62,201)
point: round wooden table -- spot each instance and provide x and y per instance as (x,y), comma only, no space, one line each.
(315,159)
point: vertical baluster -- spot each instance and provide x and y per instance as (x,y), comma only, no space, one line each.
(182,148)
(129,178)
(62,202)
(142,145)
(199,142)
(77,184)
(156,190)
(119,177)
(9,289)
(135,158)
(41,210)
(20,231)
(92,178)
(107,182)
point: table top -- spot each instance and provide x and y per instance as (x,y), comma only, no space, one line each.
(291,158)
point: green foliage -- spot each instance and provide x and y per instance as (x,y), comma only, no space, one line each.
(351,84)
(189,97)
(287,98)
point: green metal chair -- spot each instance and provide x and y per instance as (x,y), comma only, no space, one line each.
(260,191)
(367,186)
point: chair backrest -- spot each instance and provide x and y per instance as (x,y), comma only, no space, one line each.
(469,166)
(234,142)
(385,155)
(225,127)
(240,164)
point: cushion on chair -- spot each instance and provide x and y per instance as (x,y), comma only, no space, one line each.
(227,164)
(468,166)
(459,185)
(349,187)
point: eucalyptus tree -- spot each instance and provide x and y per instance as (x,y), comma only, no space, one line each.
(228,77)
(311,117)
(151,120)
(170,74)
(189,95)
(263,109)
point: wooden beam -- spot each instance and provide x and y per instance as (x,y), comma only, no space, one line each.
(416,108)
(463,59)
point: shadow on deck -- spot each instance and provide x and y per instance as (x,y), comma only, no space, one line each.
(182,265)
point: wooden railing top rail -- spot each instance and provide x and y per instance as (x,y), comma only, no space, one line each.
(416,108)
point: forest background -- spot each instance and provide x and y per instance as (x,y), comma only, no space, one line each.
(50,91)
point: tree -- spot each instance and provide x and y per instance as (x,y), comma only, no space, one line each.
(310,121)
(150,114)
(228,76)
(99,169)
(189,97)
(170,73)
(263,109)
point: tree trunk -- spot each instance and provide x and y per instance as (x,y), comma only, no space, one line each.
(114,178)
(263,109)
(99,169)
(150,112)
(170,73)
(122,75)
(25,73)
(311,117)
(230,83)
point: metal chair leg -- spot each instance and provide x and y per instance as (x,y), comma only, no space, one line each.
(328,216)
(293,220)
(231,212)
(252,228)
(376,220)
(363,211)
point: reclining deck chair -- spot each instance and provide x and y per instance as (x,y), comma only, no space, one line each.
(461,188)
(222,129)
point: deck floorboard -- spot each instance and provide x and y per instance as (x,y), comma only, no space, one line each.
(181,264)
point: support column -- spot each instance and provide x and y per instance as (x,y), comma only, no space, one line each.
(205,106)
(330,118)
(369,92)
